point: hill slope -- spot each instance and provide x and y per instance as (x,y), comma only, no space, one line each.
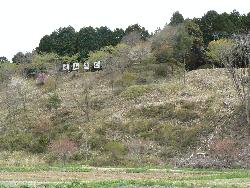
(92,118)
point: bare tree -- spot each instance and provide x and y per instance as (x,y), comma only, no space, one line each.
(132,38)
(235,57)
(63,148)
(83,98)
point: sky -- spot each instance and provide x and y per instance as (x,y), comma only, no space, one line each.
(25,22)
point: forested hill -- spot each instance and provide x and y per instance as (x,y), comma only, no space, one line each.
(179,96)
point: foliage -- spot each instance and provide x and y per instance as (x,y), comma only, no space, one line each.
(21,58)
(6,71)
(116,149)
(172,42)
(137,28)
(176,19)
(219,50)
(225,149)
(216,26)
(63,148)
(54,102)
(3,59)
(163,71)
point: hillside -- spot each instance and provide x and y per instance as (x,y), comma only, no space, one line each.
(83,118)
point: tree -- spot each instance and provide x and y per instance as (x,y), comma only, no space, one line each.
(104,36)
(248,22)
(118,34)
(62,41)
(183,46)
(173,44)
(132,38)
(65,41)
(140,52)
(163,44)
(83,98)
(47,44)
(21,58)
(232,53)
(208,26)
(86,41)
(3,59)
(196,57)
(136,28)
(176,19)
(63,148)
(218,51)
(18,96)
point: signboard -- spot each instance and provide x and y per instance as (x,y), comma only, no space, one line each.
(75,66)
(86,66)
(65,67)
(97,65)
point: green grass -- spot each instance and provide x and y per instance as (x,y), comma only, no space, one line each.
(104,184)
(214,178)
(137,170)
(72,168)
(136,91)
(125,183)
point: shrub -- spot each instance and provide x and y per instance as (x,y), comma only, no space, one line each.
(179,138)
(49,84)
(142,128)
(41,77)
(54,102)
(39,145)
(163,111)
(16,141)
(186,115)
(135,91)
(63,148)
(123,81)
(162,71)
(187,111)
(225,149)
(116,149)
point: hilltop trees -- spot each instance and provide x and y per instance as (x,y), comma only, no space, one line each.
(86,41)
(67,42)
(61,41)
(176,19)
(216,26)
(182,42)
(137,28)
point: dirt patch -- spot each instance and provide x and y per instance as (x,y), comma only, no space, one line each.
(88,176)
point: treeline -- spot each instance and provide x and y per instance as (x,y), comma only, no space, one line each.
(67,42)
(214,25)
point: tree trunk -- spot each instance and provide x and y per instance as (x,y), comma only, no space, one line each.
(247,101)
(87,104)
(184,76)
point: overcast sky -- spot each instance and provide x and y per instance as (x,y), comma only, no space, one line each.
(25,22)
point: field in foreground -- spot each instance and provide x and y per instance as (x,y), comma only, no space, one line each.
(120,177)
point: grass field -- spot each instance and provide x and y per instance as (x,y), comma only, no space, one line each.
(82,176)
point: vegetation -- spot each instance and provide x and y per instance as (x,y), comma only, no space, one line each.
(181,178)
(150,104)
